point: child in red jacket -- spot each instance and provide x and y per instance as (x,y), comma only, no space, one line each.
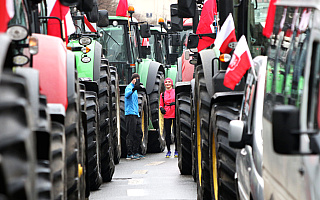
(167,108)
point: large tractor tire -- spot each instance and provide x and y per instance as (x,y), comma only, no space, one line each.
(115,114)
(106,135)
(156,139)
(202,103)
(143,111)
(183,131)
(57,158)
(84,131)
(144,117)
(17,142)
(92,138)
(72,134)
(223,157)
(194,154)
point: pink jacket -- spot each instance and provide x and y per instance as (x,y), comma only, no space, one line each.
(169,96)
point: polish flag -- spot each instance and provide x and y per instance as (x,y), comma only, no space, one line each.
(122,8)
(56,9)
(226,35)
(207,18)
(7,12)
(268,28)
(240,62)
(145,42)
(89,26)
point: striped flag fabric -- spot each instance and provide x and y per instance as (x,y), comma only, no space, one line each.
(7,12)
(56,9)
(240,62)
(226,35)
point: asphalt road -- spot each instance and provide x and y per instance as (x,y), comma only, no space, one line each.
(154,177)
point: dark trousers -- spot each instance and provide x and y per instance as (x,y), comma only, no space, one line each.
(134,134)
(167,127)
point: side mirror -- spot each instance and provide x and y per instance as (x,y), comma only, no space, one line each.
(193,41)
(103,18)
(285,127)
(186,8)
(176,22)
(175,40)
(93,15)
(85,5)
(67,2)
(237,138)
(145,51)
(145,31)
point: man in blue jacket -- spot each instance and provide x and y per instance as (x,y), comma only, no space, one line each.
(132,118)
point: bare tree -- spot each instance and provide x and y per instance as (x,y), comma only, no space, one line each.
(109,5)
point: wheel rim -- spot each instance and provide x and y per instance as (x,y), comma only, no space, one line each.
(142,125)
(214,167)
(198,143)
(118,119)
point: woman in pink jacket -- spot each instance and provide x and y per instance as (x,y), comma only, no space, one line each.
(167,108)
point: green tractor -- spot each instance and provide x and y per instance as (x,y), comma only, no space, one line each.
(121,41)
(99,82)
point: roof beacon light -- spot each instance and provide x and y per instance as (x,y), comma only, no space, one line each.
(161,20)
(131,9)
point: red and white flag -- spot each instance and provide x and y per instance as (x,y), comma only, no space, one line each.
(122,8)
(240,62)
(207,18)
(268,28)
(56,9)
(89,27)
(226,35)
(6,13)
(145,42)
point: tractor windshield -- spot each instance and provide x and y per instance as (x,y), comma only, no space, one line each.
(115,44)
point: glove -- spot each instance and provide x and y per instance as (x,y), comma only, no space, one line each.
(172,103)
(163,111)
(136,87)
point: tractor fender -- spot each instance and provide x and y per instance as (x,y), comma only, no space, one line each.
(97,61)
(182,86)
(5,43)
(179,74)
(71,63)
(52,68)
(206,59)
(32,79)
(230,96)
(154,67)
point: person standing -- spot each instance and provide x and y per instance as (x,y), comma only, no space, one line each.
(132,118)
(167,108)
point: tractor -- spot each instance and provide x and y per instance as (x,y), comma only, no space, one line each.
(121,39)
(213,105)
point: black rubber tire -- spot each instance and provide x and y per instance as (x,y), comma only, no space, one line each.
(202,114)
(106,137)
(115,114)
(156,139)
(72,134)
(183,131)
(225,162)
(143,109)
(194,154)
(57,158)
(92,136)
(17,142)
(84,131)
(123,127)
(144,117)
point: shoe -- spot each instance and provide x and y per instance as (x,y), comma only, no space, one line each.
(176,154)
(140,156)
(129,157)
(135,157)
(168,154)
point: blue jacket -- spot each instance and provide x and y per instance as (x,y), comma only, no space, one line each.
(131,105)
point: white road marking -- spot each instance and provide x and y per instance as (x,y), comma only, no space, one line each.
(140,172)
(135,182)
(136,192)
(155,163)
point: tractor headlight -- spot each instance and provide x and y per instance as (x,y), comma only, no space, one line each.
(85,49)
(20,60)
(85,59)
(85,41)
(115,23)
(17,32)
